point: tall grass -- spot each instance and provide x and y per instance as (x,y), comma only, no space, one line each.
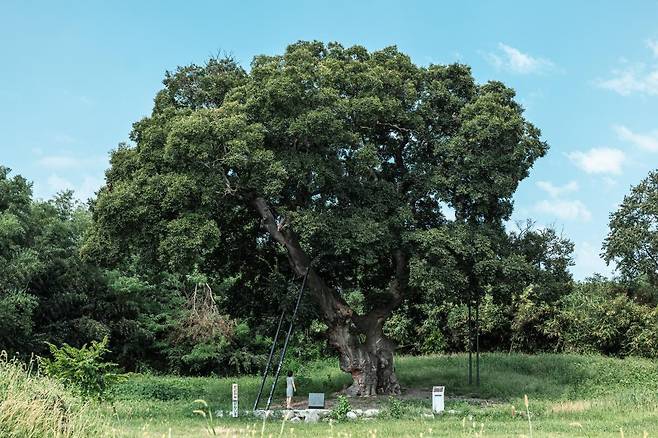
(570,395)
(36,406)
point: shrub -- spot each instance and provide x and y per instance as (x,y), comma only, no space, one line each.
(83,368)
(16,325)
(598,316)
(395,408)
(340,409)
(32,405)
(207,341)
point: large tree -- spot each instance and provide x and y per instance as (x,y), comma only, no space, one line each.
(338,159)
(632,242)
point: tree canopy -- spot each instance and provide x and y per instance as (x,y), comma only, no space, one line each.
(633,239)
(345,158)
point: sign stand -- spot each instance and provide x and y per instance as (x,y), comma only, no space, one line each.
(234,398)
(438,402)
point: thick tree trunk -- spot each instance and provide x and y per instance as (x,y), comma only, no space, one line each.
(367,355)
(364,351)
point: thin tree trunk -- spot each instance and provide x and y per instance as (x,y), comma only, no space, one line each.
(364,350)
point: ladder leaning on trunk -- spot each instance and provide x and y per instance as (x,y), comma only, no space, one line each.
(283,350)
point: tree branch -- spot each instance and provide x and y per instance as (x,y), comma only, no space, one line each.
(334,308)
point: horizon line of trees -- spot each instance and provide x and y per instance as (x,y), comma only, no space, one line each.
(193,324)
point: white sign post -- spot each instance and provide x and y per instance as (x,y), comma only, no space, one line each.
(234,397)
(438,399)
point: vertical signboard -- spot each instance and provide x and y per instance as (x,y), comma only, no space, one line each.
(234,398)
(438,399)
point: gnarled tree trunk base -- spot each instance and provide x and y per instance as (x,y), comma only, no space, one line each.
(370,363)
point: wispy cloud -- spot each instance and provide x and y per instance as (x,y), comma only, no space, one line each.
(563,209)
(69,161)
(653,45)
(634,78)
(588,261)
(85,189)
(58,184)
(513,60)
(60,162)
(599,160)
(64,139)
(648,142)
(557,191)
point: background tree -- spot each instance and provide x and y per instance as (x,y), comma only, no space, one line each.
(521,276)
(632,242)
(341,157)
(18,262)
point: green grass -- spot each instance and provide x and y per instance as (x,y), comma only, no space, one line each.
(569,395)
(32,405)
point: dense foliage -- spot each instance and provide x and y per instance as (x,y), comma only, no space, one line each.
(150,327)
(49,294)
(83,369)
(633,239)
(334,161)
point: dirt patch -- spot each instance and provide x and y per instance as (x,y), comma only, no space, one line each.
(380,401)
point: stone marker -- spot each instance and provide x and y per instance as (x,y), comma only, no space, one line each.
(316,400)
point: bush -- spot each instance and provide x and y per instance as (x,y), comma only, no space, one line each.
(37,406)
(600,317)
(340,409)
(16,325)
(395,408)
(83,368)
(207,341)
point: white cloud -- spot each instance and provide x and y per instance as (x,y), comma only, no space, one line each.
(609,182)
(634,79)
(88,187)
(599,160)
(68,161)
(648,142)
(565,210)
(589,262)
(512,59)
(653,45)
(556,191)
(58,184)
(84,190)
(59,162)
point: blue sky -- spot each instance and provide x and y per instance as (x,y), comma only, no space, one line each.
(76,75)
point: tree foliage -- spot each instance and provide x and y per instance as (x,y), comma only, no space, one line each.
(83,368)
(345,158)
(633,239)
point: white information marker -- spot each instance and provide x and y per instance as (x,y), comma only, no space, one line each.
(234,397)
(438,399)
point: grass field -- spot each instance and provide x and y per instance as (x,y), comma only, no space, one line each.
(568,395)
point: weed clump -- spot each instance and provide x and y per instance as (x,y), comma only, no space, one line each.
(340,409)
(32,405)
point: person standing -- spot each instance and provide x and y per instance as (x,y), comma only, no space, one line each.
(290,389)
